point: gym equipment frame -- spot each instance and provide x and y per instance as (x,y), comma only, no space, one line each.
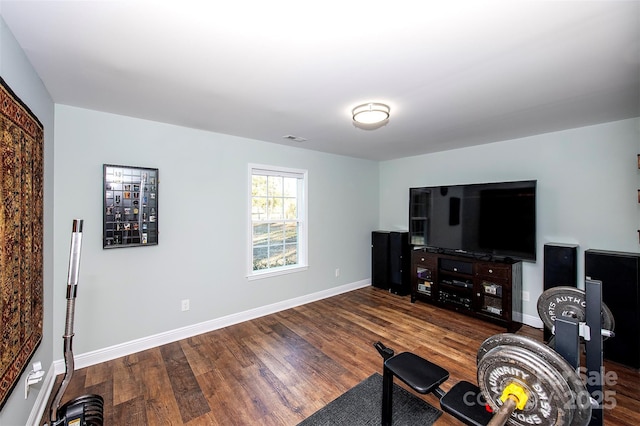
(521,381)
(86,410)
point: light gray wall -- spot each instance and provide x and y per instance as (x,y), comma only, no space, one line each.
(587,195)
(18,73)
(131,293)
(587,187)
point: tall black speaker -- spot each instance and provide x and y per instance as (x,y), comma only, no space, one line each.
(560,269)
(380,259)
(399,263)
(390,261)
(620,276)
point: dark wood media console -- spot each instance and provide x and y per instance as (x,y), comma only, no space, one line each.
(490,290)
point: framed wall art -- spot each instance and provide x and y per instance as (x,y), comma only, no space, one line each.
(130,211)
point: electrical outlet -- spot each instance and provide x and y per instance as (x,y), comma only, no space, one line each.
(34,376)
(337,272)
(185,305)
(525,296)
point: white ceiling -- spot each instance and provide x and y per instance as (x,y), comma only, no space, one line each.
(455,73)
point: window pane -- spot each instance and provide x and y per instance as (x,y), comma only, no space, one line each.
(276,256)
(290,208)
(291,254)
(290,187)
(259,185)
(275,207)
(275,186)
(260,234)
(259,208)
(291,230)
(260,258)
(276,234)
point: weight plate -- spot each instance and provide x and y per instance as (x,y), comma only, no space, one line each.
(569,302)
(547,390)
(556,392)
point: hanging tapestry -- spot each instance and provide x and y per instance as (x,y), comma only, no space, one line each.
(21,237)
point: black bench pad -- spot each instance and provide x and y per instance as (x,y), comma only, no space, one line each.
(465,402)
(421,375)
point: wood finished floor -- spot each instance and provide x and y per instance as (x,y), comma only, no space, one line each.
(281,368)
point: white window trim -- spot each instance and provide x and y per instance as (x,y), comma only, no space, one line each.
(302,215)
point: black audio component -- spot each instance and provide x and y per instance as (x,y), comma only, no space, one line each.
(391,261)
(456,299)
(560,269)
(620,276)
(454,265)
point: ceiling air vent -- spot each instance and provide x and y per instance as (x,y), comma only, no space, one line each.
(294,138)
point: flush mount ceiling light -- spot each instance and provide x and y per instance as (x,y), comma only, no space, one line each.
(371,113)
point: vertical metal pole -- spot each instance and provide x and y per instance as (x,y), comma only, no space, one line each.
(387,397)
(594,356)
(72,285)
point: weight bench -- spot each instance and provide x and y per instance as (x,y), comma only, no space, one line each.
(464,400)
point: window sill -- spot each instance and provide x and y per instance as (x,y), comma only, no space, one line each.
(258,275)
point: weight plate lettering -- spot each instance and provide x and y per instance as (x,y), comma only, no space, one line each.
(556,392)
(569,302)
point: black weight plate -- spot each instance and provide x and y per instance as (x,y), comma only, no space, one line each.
(509,357)
(569,302)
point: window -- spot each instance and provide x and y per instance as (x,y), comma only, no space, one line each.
(278,220)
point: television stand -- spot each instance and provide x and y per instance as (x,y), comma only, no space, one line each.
(487,289)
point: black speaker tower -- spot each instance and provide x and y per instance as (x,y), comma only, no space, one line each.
(620,276)
(380,259)
(391,261)
(560,269)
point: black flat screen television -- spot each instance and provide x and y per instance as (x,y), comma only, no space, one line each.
(487,219)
